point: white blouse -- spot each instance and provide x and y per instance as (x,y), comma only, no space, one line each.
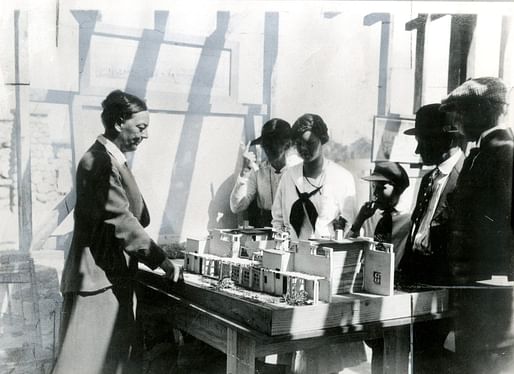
(336,198)
(261,184)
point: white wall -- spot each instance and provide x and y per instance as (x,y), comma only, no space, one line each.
(327,62)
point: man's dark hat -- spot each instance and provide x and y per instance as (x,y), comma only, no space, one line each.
(431,121)
(475,90)
(391,172)
(275,128)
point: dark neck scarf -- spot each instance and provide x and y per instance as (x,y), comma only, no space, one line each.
(297,214)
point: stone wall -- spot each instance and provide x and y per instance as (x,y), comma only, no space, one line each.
(30,306)
(51,174)
(6,163)
(50,167)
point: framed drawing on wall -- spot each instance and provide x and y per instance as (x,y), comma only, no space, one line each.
(389,143)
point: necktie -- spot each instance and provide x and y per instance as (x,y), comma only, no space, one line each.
(422,205)
(298,212)
(384,228)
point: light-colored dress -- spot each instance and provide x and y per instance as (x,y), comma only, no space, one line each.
(335,199)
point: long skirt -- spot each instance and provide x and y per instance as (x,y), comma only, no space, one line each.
(99,334)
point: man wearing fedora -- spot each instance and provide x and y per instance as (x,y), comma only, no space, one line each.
(482,238)
(439,144)
(425,261)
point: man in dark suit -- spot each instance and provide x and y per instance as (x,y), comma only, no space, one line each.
(482,237)
(439,145)
(99,332)
(426,254)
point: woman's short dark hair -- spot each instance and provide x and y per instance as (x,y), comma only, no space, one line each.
(119,106)
(313,123)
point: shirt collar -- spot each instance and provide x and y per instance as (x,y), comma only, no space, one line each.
(395,211)
(112,149)
(267,164)
(447,165)
(488,131)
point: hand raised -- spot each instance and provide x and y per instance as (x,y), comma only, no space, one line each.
(367,210)
(249,158)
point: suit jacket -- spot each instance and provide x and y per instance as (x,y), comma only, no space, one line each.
(482,238)
(433,269)
(482,243)
(109,237)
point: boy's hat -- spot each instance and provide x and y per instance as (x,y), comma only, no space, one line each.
(391,172)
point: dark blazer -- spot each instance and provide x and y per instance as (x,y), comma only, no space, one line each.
(110,215)
(482,243)
(482,239)
(433,269)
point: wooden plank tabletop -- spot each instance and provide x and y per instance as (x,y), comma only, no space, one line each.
(357,313)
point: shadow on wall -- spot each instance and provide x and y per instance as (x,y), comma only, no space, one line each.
(220,215)
(187,150)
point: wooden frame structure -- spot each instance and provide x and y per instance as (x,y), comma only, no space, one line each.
(245,329)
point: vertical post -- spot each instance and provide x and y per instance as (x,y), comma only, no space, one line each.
(315,292)
(231,351)
(506,34)
(240,353)
(383,106)
(418,24)
(462,28)
(271,23)
(396,349)
(21,123)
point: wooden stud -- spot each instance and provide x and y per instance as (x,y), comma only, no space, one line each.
(396,349)
(240,353)
(231,351)
(315,292)
(22,128)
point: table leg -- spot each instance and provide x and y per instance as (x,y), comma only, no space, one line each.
(240,353)
(396,350)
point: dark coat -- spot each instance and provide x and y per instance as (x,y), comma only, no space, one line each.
(110,215)
(482,243)
(433,269)
(482,238)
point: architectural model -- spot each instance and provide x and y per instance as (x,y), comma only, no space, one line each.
(266,261)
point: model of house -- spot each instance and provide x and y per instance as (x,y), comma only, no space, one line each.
(321,268)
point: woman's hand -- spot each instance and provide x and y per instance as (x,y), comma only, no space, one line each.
(172,270)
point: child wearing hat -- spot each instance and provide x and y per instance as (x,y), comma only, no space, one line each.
(259,183)
(381,220)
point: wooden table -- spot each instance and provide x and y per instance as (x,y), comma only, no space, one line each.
(242,343)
